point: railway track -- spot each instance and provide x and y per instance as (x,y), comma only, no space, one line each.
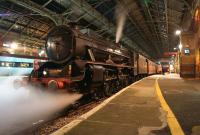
(46,127)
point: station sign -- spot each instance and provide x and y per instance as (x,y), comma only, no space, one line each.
(170,53)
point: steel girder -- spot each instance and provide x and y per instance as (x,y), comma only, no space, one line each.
(22,36)
(152,25)
(90,14)
(56,18)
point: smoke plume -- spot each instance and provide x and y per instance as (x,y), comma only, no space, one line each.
(121,19)
(26,107)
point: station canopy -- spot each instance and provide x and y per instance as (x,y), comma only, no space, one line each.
(149,24)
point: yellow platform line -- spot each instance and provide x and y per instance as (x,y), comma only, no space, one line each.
(173,124)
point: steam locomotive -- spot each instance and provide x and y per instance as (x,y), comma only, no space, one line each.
(88,64)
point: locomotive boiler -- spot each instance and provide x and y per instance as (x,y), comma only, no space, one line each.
(84,63)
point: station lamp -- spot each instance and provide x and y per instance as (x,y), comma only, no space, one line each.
(180,46)
(177,32)
(44,72)
(14,45)
(6,45)
(41,53)
(16,26)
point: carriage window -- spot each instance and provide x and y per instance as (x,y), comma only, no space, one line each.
(16,64)
(7,64)
(25,65)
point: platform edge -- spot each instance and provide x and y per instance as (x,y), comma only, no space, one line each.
(75,122)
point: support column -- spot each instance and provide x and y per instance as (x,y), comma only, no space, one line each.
(187,55)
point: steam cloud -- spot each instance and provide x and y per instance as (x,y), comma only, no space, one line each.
(23,108)
(121,19)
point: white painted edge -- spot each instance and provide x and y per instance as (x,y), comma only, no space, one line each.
(83,117)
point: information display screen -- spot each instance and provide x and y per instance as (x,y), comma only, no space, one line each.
(187,51)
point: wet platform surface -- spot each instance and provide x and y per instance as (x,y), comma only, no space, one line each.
(135,111)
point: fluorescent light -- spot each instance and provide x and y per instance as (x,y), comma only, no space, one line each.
(6,45)
(117,51)
(178,32)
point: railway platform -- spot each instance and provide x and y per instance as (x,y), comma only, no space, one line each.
(156,105)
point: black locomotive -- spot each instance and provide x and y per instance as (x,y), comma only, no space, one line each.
(87,63)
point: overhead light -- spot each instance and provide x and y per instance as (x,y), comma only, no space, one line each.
(177,32)
(7,64)
(110,50)
(44,72)
(41,53)
(171,67)
(175,48)
(180,46)
(117,51)
(6,45)
(14,45)
(16,26)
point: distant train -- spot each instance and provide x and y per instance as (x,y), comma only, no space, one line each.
(14,65)
(85,63)
(14,48)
